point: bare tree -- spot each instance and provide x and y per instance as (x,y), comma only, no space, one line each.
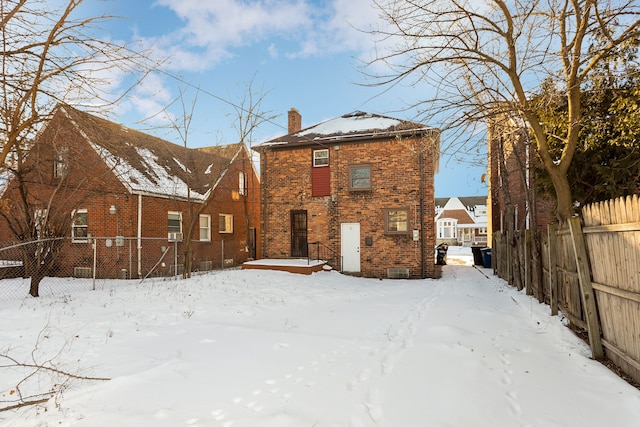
(248,117)
(50,56)
(485,58)
(46,179)
(181,125)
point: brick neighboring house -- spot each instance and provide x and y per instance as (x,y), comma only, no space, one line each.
(362,185)
(117,183)
(511,178)
(462,220)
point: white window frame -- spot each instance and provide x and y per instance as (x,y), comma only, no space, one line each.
(172,228)
(75,238)
(61,162)
(39,219)
(447,224)
(242,184)
(205,229)
(321,158)
(225,223)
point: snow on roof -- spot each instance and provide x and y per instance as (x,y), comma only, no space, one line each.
(351,123)
(150,165)
(352,126)
(156,180)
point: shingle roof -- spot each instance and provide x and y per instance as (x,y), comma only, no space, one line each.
(150,165)
(462,216)
(354,126)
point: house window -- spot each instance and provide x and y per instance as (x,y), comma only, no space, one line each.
(225,223)
(360,177)
(205,227)
(447,229)
(320,174)
(320,158)
(174,227)
(61,162)
(242,183)
(79,226)
(396,220)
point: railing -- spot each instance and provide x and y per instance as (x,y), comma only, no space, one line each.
(319,252)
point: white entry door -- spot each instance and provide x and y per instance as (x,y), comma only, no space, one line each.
(350,246)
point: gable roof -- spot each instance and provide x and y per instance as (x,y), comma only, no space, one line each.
(467,201)
(149,165)
(456,208)
(349,127)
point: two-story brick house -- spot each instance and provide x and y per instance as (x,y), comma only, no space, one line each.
(134,194)
(361,185)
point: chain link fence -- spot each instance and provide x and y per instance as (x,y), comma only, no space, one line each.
(65,265)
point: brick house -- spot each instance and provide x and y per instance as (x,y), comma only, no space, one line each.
(361,186)
(462,220)
(134,193)
(513,203)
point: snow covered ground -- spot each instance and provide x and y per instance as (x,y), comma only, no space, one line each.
(249,348)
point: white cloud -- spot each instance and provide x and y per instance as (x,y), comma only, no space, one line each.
(345,26)
(273,51)
(151,98)
(212,30)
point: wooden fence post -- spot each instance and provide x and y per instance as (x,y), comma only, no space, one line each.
(526,250)
(553,269)
(586,289)
(509,259)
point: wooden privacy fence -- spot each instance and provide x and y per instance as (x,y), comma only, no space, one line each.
(591,272)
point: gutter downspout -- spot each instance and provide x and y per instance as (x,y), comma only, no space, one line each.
(139,235)
(422,242)
(263,196)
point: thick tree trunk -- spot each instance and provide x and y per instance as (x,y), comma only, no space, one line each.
(564,209)
(34,288)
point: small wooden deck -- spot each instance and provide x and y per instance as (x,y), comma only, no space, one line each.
(298,266)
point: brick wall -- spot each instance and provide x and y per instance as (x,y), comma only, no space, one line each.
(395,172)
(510,166)
(90,185)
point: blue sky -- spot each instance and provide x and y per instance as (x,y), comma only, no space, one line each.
(303,54)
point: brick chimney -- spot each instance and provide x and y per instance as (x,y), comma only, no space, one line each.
(295,121)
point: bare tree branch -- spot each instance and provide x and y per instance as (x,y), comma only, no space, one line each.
(486,58)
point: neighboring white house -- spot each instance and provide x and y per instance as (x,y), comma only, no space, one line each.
(461,221)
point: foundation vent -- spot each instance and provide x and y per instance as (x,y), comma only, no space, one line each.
(397,273)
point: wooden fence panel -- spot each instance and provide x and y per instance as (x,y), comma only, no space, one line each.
(568,285)
(612,234)
(612,238)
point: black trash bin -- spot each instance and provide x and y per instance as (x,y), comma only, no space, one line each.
(477,254)
(486,257)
